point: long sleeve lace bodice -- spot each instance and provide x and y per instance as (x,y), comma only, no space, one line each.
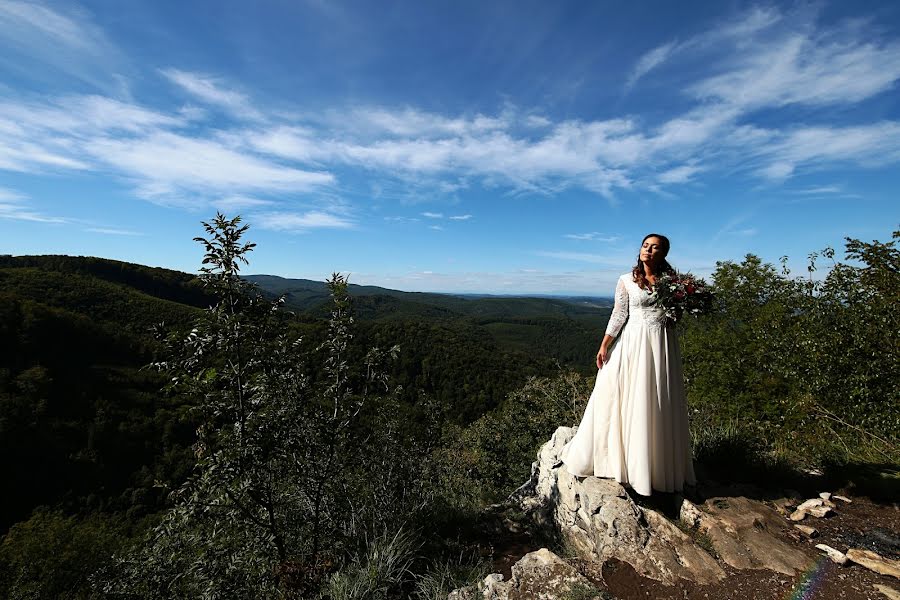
(620,310)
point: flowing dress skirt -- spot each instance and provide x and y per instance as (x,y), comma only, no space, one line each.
(635,426)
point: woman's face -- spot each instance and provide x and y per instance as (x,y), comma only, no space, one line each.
(652,251)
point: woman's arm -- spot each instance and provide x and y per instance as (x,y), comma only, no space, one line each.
(616,320)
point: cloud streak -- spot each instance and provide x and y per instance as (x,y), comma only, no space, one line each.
(37,41)
(210,90)
(255,159)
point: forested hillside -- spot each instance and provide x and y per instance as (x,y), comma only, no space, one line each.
(84,422)
(348,443)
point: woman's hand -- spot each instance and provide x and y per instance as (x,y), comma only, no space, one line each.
(602,356)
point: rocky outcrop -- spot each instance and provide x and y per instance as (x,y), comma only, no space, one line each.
(539,575)
(745,534)
(600,521)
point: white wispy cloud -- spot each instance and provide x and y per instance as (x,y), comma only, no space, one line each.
(766,59)
(594,236)
(168,161)
(413,123)
(823,189)
(433,215)
(732,227)
(82,116)
(41,41)
(290,142)
(236,202)
(13,207)
(10,195)
(595,282)
(111,231)
(580,257)
(681,174)
(211,90)
(648,62)
(291,221)
(814,70)
(741,27)
(871,145)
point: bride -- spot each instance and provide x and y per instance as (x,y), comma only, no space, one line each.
(635,426)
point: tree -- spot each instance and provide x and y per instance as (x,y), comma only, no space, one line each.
(802,367)
(262,514)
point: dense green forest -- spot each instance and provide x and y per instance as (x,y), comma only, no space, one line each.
(173,435)
(78,402)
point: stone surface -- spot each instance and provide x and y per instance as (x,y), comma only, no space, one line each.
(784,506)
(745,534)
(835,555)
(600,517)
(809,532)
(539,575)
(812,502)
(819,511)
(887,591)
(874,562)
(470,592)
(600,521)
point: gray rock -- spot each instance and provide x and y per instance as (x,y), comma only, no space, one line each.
(599,521)
(746,535)
(874,562)
(835,555)
(539,575)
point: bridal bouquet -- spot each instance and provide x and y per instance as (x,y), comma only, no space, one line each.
(682,293)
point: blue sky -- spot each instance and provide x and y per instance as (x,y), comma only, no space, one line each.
(502,147)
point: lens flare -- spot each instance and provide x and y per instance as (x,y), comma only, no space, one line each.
(809,582)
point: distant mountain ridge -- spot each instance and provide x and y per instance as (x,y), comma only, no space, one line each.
(120,294)
(303,294)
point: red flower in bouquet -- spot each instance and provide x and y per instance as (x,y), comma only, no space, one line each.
(682,293)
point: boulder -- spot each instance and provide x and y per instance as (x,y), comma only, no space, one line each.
(836,556)
(875,562)
(746,534)
(809,532)
(539,575)
(599,520)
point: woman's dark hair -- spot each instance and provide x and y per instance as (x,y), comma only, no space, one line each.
(637,272)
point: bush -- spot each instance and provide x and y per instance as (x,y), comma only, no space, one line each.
(807,367)
(52,556)
(266,511)
(486,461)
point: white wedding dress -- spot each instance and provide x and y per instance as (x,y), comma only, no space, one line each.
(635,426)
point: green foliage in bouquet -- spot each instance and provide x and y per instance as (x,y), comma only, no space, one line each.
(682,294)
